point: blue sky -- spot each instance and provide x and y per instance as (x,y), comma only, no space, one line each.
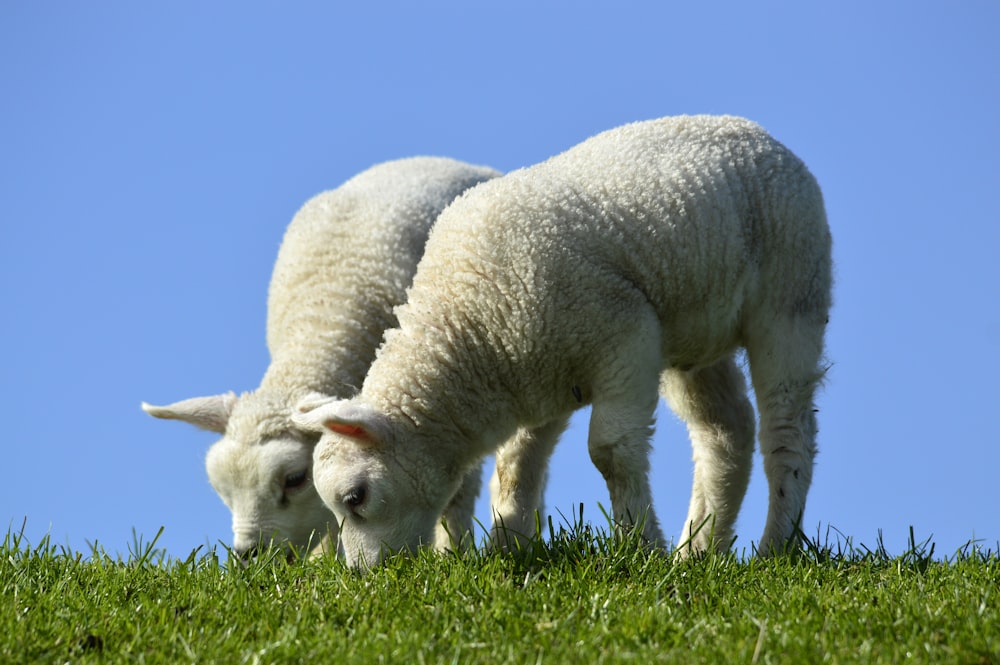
(151,156)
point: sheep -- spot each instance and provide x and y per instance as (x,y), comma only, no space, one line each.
(637,263)
(345,262)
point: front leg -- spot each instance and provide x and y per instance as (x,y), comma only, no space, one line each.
(625,399)
(518,483)
(455,530)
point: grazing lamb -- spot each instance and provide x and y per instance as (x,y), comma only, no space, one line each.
(633,264)
(346,261)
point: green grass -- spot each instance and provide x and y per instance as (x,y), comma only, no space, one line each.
(582,597)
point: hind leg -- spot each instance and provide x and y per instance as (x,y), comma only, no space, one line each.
(785,370)
(518,482)
(713,403)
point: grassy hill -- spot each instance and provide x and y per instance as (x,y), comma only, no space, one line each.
(582,597)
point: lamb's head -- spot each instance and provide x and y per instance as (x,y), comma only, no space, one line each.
(379,478)
(261,468)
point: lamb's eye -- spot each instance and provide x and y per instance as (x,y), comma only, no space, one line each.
(293,481)
(355,497)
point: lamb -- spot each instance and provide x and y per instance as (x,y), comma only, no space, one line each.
(345,262)
(638,262)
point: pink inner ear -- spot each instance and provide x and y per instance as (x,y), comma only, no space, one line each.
(354,431)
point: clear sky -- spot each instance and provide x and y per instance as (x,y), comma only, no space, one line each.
(151,155)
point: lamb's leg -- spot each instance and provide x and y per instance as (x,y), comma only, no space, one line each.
(785,370)
(455,531)
(518,483)
(624,401)
(713,403)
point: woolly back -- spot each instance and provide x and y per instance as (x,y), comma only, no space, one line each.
(690,214)
(346,260)
(668,204)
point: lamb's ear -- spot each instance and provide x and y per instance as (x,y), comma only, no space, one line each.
(343,417)
(208,413)
(311,402)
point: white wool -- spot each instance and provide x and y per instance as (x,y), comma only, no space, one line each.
(632,266)
(346,260)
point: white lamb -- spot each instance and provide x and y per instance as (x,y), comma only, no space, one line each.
(346,261)
(635,263)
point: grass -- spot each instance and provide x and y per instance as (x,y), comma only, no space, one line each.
(581,597)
